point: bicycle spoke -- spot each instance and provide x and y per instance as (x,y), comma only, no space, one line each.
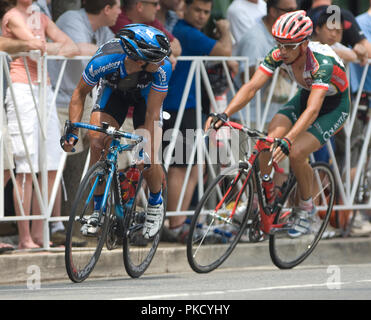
(288,251)
(213,222)
(138,251)
(83,251)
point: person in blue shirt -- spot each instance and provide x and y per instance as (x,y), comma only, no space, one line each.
(194,43)
(131,70)
(364,21)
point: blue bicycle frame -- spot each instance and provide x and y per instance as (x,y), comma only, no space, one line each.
(115,148)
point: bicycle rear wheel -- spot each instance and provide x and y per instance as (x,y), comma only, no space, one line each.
(138,252)
(82,252)
(214,233)
(287,252)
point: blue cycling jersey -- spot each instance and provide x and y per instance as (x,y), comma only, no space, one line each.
(108,65)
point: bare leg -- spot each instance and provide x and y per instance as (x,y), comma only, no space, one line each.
(303,146)
(278,128)
(99,141)
(24,186)
(37,225)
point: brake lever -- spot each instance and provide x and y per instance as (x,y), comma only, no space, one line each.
(273,150)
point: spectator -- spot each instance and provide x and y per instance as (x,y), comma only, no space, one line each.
(364,21)
(353,36)
(256,42)
(13,46)
(242,14)
(194,43)
(167,13)
(61,6)
(138,11)
(89,29)
(332,36)
(362,226)
(24,23)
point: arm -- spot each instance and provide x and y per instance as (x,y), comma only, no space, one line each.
(87,49)
(76,109)
(223,47)
(13,46)
(361,51)
(247,92)
(176,51)
(346,54)
(176,48)
(244,95)
(367,46)
(76,106)
(63,45)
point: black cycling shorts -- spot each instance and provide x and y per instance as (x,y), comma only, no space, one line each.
(116,103)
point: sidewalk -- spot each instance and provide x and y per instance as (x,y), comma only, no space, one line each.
(172,258)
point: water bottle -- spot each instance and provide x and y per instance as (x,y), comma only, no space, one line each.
(132,177)
(125,187)
(128,183)
(268,186)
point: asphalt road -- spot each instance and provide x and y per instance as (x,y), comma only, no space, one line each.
(348,282)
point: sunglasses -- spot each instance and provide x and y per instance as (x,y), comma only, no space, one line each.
(288,46)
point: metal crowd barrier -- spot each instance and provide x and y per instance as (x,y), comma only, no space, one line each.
(197,70)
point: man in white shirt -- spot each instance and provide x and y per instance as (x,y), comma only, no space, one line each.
(242,14)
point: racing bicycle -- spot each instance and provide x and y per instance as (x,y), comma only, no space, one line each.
(119,222)
(227,211)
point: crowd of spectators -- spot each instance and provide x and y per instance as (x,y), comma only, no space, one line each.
(239,28)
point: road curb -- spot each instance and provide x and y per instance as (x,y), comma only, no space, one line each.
(20,267)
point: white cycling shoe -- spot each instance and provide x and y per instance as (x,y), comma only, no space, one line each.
(154,218)
(304,222)
(91,227)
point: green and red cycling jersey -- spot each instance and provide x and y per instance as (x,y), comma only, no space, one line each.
(323,69)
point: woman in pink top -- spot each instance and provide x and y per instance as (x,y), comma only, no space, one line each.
(26,22)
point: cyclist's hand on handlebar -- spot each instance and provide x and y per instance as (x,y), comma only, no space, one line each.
(215,120)
(69,137)
(282,150)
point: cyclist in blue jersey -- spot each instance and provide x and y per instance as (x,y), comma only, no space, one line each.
(131,70)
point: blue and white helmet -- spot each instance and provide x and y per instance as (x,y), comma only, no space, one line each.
(142,42)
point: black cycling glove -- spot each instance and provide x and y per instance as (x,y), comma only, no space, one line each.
(67,134)
(285,145)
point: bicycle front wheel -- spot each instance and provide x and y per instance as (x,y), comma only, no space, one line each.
(82,252)
(287,251)
(138,252)
(214,232)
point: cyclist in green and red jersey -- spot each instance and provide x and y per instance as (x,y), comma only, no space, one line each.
(317,111)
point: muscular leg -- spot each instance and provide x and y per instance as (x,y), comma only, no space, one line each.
(153,175)
(278,128)
(98,140)
(303,146)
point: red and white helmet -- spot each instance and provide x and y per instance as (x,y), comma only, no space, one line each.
(292,27)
